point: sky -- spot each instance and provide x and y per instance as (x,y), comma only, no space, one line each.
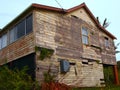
(9,9)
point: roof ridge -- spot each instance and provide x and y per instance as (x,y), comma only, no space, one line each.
(48,7)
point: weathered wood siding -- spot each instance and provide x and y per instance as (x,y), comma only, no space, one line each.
(97,37)
(63,35)
(17,49)
(68,38)
(107,54)
(81,13)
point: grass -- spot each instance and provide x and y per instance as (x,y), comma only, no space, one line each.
(109,87)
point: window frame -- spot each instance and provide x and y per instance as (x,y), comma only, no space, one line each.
(30,16)
(4,43)
(21,28)
(25,28)
(10,39)
(14,33)
(106,42)
(85,36)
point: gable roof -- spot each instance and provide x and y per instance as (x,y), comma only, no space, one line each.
(83,5)
(44,7)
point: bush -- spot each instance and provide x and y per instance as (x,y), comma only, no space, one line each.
(108,75)
(16,80)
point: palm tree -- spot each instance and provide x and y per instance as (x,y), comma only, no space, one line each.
(105,23)
(116,47)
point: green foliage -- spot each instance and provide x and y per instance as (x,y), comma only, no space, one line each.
(87,88)
(116,47)
(16,80)
(48,77)
(105,23)
(36,48)
(109,79)
(111,87)
(108,75)
(118,64)
(44,52)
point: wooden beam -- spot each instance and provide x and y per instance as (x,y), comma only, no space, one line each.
(116,75)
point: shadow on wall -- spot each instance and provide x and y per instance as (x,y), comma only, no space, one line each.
(28,61)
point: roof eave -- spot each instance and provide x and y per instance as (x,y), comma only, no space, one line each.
(95,20)
(108,33)
(30,8)
(75,8)
(92,16)
(44,7)
(16,18)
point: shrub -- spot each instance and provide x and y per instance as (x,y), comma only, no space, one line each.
(16,79)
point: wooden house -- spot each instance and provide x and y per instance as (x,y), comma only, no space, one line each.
(70,43)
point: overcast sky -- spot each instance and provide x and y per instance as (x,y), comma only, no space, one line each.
(110,9)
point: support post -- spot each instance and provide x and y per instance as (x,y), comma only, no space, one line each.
(116,74)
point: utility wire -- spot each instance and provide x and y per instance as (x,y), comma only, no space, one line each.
(59,4)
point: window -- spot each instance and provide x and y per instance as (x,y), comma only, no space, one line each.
(106,42)
(28,24)
(13,35)
(84,35)
(21,29)
(4,41)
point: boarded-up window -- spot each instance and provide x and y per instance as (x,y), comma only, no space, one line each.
(84,35)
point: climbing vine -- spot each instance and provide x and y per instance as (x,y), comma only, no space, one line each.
(44,52)
(48,77)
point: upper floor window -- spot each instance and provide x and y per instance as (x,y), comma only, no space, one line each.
(106,42)
(12,34)
(22,28)
(4,41)
(84,35)
(29,24)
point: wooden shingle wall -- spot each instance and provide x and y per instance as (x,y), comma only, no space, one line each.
(63,35)
(17,49)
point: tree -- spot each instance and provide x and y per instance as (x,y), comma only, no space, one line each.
(105,23)
(116,47)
